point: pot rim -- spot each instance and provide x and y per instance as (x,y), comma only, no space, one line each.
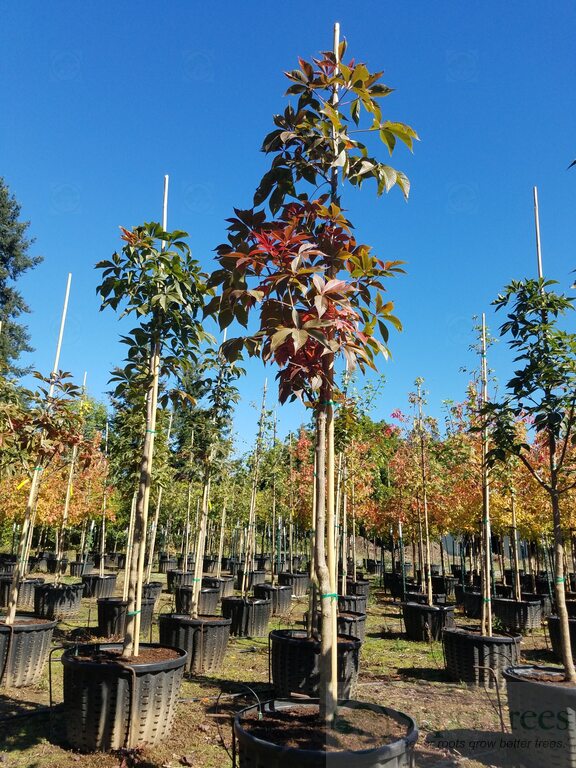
(296,635)
(510,675)
(470,634)
(204,620)
(71,659)
(394,748)
(37,625)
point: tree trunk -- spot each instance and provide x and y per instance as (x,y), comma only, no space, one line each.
(131,645)
(569,670)
(327,692)
(21,562)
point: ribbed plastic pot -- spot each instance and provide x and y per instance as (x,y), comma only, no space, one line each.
(99,586)
(177,578)
(294,663)
(545,603)
(112,614)
(352,603)
(57,601)
(554,632)
(59,566)
(263,563)
(542,716)
(298,581)
(250,616)
(210,564)
(191,560)
(79,568)
(25,593)
(426,622)
(519,615)
(252,752)
(167,564)
(444,585)
(281,597)
(469,656)
(24,648)
(152,590)
(115,705)
(459,594)
(472,604)
(253,578)
(359,587)
(204,639)
(207,600)
(422,598)
(352,624)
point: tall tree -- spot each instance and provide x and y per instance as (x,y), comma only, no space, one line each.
(14,261)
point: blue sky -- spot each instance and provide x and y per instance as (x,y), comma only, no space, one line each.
(100,100)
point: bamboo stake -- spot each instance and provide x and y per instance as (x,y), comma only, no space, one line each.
(291,528)
(487,569)
(427,564)
(344,528)
(274,575)
(222,532)
(514,536)
(104,505)
(250,548)
(329,640)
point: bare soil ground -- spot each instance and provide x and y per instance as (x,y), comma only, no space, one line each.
(459,726)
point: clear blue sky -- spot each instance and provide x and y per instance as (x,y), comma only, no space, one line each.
(101,99)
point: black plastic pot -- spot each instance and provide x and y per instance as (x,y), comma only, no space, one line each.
(352,603)
(294,663)
(166,564)
(359,587)
(207,600)
(25,592)
(152,590)
(24,648)
(281,597)
(112,615)
(352,624)
(190,565)
(204,639)
(99,586)
(519,615)
(57,601)
(298,581)
(263,563)
(79,568)
(422,598)
(253,752)
(541,716)
(444,585)
(459,594)
(225,584)
(426,622)
(114,705)
(472,604)
(469,656)
(177,578)
(59,566)
(253,578)
(545,602)
(555,641)
(210,564)
(249,616)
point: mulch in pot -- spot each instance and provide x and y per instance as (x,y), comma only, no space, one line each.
(299,727)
